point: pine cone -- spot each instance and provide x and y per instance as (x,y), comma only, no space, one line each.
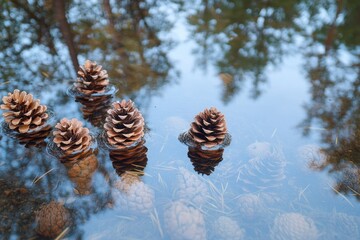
(91,78)
(293,226)
(36,138)
(124,124)
(205,161)
(191,188)
(209,128)
(228,229)
(94,108)
(73,139)
(81,171)
(133,159)
(24,113)
(52,219)
(184,222)
(133,194)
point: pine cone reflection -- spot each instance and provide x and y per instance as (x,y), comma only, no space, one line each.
(132,159)
(91,78)
(293,226)
(209,128)
(23,112)
(73,139)
(184,222)
(124,124)
(52,219)
(36,138)
(81,171)
(228,229)
(94,108)
(205,161)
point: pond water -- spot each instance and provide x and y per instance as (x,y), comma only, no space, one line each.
(285,75)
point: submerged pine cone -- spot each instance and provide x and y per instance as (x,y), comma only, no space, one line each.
(228,229)
(133,194)
(81,171)
(191,188)
(52,219)
(91,78)
(72,138)
(209,128)
(24,113)
(124,125)
(133,159)
(184,222)
(293,226)
(205,161)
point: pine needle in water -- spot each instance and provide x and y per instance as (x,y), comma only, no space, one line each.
(156,221)
(39,178)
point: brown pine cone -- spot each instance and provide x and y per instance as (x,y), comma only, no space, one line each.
(205,161)
(24,113)
(133,159)
(209,128)
(81,171)
(72,138)
(52,219)
(94,108)
(124,125)
(91,78)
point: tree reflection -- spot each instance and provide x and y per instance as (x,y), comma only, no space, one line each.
(242,38)
(333,67)
(44,40)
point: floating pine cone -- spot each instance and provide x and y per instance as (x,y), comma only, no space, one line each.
(94,108)
(24,113)
(205,161)
(52,219)
(81,172)
(124,124)
(132,159)
(208,129)
(91,78)
(73,139)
